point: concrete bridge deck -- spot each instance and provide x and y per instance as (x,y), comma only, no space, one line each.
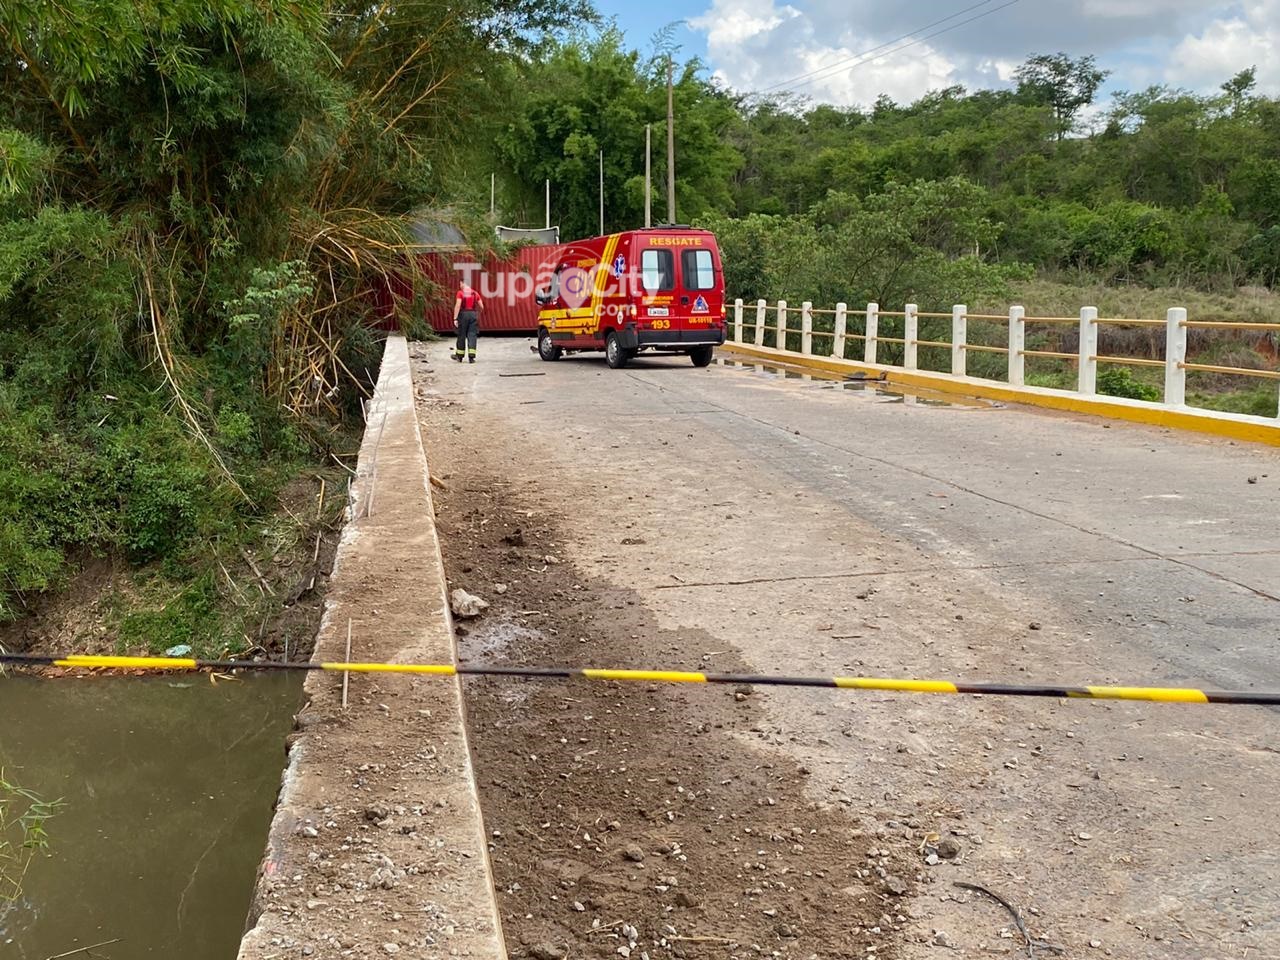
(806,526)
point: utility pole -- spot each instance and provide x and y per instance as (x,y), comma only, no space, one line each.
(671,145)
(648,179)
(602,193)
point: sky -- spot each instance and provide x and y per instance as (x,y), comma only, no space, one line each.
(849,52)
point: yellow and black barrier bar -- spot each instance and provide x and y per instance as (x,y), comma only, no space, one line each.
(890,685)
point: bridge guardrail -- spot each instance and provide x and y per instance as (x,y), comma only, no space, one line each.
(1087,357)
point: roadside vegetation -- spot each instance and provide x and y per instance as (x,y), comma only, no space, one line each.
(195,200)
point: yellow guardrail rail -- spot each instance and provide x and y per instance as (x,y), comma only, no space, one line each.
(833,336)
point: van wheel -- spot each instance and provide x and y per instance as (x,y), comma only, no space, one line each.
(701,356)
(547,348)
(614,355)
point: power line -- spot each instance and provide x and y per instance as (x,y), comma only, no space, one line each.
(929,36)
(887,43)
(873,54)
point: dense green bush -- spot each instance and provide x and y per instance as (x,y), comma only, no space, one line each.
(911,243)
(1120,382)
(196,199)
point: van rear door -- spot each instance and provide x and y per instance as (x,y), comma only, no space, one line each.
(701,296)
(657,283)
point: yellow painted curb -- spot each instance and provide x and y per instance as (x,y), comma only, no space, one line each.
(1233,426)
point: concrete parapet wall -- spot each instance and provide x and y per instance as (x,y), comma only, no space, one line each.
(377,847)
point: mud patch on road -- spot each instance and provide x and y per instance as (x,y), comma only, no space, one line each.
(630,819)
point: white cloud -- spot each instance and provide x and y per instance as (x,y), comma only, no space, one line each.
(747,19)
(848,51)
(756,45)
(1228,45)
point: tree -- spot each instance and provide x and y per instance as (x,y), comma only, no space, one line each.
(1066,84)
(590,94)
(195,198)
(1238,88)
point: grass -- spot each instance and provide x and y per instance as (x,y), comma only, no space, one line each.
(1055,298)
(1258,401)
(1227,392)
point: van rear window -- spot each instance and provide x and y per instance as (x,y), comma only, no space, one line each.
(658,269)
(698,269)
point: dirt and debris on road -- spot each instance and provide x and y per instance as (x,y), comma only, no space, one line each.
(626,819)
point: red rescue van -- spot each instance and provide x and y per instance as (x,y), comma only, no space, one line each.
(659,290)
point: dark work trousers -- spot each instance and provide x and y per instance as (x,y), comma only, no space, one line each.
(468,331)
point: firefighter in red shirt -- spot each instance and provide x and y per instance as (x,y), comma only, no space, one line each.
(466,319)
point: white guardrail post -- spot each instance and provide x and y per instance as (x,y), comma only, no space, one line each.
(762,314)
(959,338)
(842,320)
(873,331)
(781,342)
(1175,355)
(911,328)
(806,328)
(737,320)
(1088,381)
(1017,343)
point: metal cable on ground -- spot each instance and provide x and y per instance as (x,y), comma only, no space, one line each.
(883,684)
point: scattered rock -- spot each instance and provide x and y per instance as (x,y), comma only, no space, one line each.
(895,885)
(1034,625)
(376,811)
(940,939)
(685,899)
(1253,479)
(391,948)
(633,541)
(515,538)
(949,848)
(633,853)
(467,605)
(499,588)
(548,951)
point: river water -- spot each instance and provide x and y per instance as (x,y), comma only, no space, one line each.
(168,784)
